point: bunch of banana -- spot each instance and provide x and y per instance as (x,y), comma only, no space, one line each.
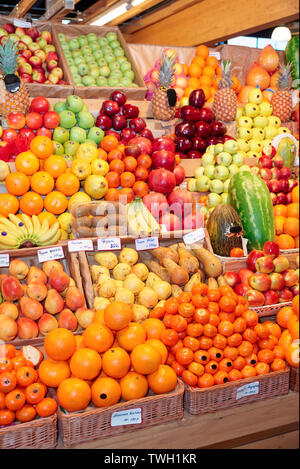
(140,222)
(27,232)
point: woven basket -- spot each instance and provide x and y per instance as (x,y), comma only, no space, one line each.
(206,400)
(294,379)
(40,433)
(95,423)
(269,310)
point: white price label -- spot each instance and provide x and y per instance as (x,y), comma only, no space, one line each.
(194,236)
(247,390)
(4,260)
(244,244)
(75,245)
(50,254)
(126,417)
(21,23)
(144,244)
(108,244)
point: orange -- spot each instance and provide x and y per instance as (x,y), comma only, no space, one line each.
(116,362)
(53,372)
(199,61)
(117,315)
(293,210)
(145,359)
(212,61)
(55,165)
(109,142)
(74,394)
(215,82)
(205,80)
(203,51)
(67,184)
(160,347)
(163,380)
(131,336)
(206,91)
(294,330)
(8,204)
(42,182)
(60,344)
(284,315)
(291,226)
(154,328)
(27,163)
(285,241)
(98,337)
(295,194)
(85,363)
(133,386)
(292,354)
(42,146)
(207,70)
(279,222)
(47,215)
(17,183)
(105,392)
(56,202)
(194,70)
(194,82)
(31,203)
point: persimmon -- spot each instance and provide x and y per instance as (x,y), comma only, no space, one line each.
(239,325)
(26,375)
(35,393)
(6,417)
(15,400)
(239,363)
(251,318)
(200,288)
(248,371)
(178,323)
(191,343)
(186,310)
(169,337)
(46,407)
(225,364)
(221,377)
(201,356)
(262,368)
(205,381)
(250,335)
(189,378)
(196,368)
(235,339)
(200,301)
(234,375)
(201,316)
(278,364)
(216,354)
(219,341)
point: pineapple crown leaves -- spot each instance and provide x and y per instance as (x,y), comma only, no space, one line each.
(285,77)
(8,57)
(166,71)
(226,80)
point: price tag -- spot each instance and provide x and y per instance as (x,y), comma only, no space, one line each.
(4,260)
(247,390)
(108,244)
(144,244)
(194,236)
(50,254)
(126,417)
(75,245)
(244,245)
(21,23)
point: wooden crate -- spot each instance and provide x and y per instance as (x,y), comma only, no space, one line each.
(99,91)
(30,256)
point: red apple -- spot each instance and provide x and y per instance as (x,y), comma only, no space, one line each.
(180,200)
(241,289)
(281,198)
(51,56)
(206,114)
(295,289)
(289,198)
(293,183)
(26,53)
(291,277)
(271,249)
(269,151)
(156,203)
(284,186)
(232,279)
(51,65)
(271,297)
(35,61)
(266,173)
(255,298)
(16,120)
(277,162)
(252,258)
(39,104)
(244,275)
(264,265)
(285,295)
(281,263)
(274,198)
(274,186)
(285,173)
(265,162)
(179,173)
(277,281)
(9,28)
(275,172)
(33,33)
(260,282)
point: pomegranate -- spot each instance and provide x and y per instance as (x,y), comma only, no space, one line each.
(144,144)
(179,173)
(163,143)
(161,180)
(156,203)
(171,221)
(163,159)
(181,200)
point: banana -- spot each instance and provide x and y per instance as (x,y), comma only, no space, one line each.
(132,223)
(55,238)
(10,226)
(19,224)
(154,227)
(44,228)
(145,230)
(8,240)
(49,234)
(28,223)
(36,225)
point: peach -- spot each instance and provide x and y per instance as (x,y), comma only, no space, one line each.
(37,291)
(54,303)
(47,323)
(48,266)
(74,298)
(9,309)
(58,279)
(8,328)
(36,275)
(11,289)
(27,328)
(68,320)
(33,354)
(85,317)
(30,308)
(18,269)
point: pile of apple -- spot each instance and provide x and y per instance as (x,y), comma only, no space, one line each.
(198,128)
(267,279)
(38,62)
(277,177)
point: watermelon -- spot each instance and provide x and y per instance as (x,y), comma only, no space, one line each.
(250,197)
(292,56)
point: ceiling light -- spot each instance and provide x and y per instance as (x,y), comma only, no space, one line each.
(113,13)
(281,33)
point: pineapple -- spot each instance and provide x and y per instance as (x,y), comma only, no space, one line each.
(282,102)
(225,100)
(165,98)
(13,93)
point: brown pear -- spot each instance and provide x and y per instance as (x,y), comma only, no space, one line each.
(37,291)
(54,303)
(36,275)
(31,309)
(68,320)
(18,268)
(11,288)
(59,279)
(74,298)
(49,265)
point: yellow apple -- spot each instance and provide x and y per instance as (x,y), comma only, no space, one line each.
(96,186)
(87,152)
(81,168)
(78,198)
(100,167)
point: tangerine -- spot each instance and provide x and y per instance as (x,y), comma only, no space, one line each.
(42,146)
(202,51)
(27,163)
(55,165)
(17,183)
(8,204)
(68,184)
(31,203)
(55,202)
(109,142)
(60,344)
(42,182)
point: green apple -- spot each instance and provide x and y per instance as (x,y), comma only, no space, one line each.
(115,66)
(116,74)
(274,121)
(192,186)
(208,158)
(68,54)
(60,135)
(71,147)
(85,120)
(96,134)
(233,169)
(67,119)
(64,45)
(209,171)
(202,184)
(216,186)
(79,60)
(199,172)
(129,74)
(211,149)
(230,146)
(86,50)
(265,109)
(77,134)
(258,134)
(255,170)
(270,131)
(224,158)
(251,110)
(89,58)
(114,44)
(92,64)
(88,81)
(119,52)
(98,54)
(243,144)
(101,81)
(77,79)
(73,43)
(41,41)
(221,172)
(76,53)
(225,198)
(59,107)
(104,71)
(83,69)
(101,62)
(62,37)
(74,70)
(253,154)
(255,96)
(110,58)
(94,46)
(260,121)
(125,82)
(113,81)
(245,167)
(102,41)
(255,145)
(226,185)
(244,121)
(107,50)
(219,147)
(244,133)
(91,142)
(74,103)
(121,58)
(111,36)
(58,148)
(94,72)
(125,66)
(239,112)
(238,158)
(283,130)
(213,200)
(91,37)
(82,40)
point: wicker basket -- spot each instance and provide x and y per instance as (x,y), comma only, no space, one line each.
(235,393)
(294,379)
(95,423)
(269,310)
(40,433)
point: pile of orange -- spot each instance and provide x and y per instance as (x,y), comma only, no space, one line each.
(287,223)
(205,72)
(22,395)
(114,359)
(213,337)
(288,319)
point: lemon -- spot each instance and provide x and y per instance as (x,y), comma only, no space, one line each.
(65,221)
(79,197)
(87,152)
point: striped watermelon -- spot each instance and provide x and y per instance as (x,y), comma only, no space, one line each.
(250,197)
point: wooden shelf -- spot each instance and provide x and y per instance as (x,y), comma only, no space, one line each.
(271,423)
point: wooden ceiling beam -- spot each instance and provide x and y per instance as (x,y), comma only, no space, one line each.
(22,8)
(134,11)
(97,9)
(210,21)
(62,13)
